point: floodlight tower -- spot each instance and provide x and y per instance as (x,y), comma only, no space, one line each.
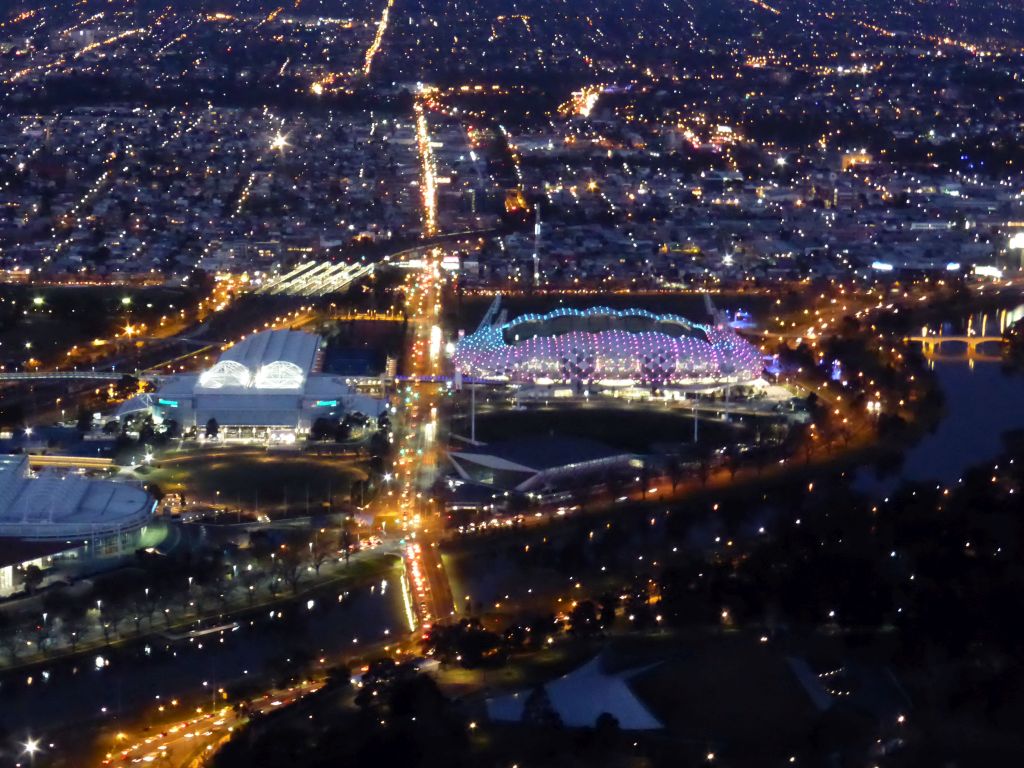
(536,249)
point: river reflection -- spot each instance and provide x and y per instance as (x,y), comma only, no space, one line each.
(982,402)
(981,324)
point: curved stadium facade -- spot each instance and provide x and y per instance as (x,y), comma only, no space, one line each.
(604,345)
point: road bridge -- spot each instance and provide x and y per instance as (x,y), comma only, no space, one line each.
(932,346)
(375,317)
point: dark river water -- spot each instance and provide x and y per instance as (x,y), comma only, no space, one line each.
(153,670)
(983,400)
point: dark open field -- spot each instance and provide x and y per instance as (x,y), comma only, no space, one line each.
(244,475)
(630,427)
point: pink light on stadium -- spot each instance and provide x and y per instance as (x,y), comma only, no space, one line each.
(570,345)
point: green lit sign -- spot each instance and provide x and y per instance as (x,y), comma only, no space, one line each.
(326,403)
(168,403)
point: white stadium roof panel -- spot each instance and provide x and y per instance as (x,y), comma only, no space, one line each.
(268,347)
(56,505)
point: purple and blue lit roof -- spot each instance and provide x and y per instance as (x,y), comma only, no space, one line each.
(573,345)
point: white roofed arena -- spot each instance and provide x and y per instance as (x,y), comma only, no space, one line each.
(267,388)
(103,516)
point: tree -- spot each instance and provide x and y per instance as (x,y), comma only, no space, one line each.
(339,676)
(113,601)
(83,422)
(212,429)
(538,709)
(32,578)
(645,477)
(147,432)
(732,461)
(704,456)
(291,561)
(467,642)
(42,632)
(348,538)
(323,429)
(325,544)
(250,574)
(583,619)
(71,613)
(606,727)
(275,584)
(10,634)
(149,602)
(674,467)
(127,386)
(379,444)
(607,603)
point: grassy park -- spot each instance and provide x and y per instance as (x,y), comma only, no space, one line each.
(247,477)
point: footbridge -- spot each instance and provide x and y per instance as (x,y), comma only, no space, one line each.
(76,375)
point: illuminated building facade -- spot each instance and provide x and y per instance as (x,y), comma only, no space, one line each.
(607,347)
(267,387)
(95,518)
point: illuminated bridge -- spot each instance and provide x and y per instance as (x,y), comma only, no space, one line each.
(76,375)
(38,460)
(932,346)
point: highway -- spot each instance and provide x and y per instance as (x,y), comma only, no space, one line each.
(405,511)
(188,742)
(417,456)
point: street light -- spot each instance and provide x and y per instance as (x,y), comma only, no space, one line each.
(279,142)
(31,747)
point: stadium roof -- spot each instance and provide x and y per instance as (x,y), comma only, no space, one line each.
(536,454)
(533,462)
(64,506)
(267,360)
(271,379)
(582,696)
(295,347)
(600,344)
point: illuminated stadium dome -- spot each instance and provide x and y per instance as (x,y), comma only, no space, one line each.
(606,346)
(267,387)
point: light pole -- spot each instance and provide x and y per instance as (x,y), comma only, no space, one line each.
(31,747)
